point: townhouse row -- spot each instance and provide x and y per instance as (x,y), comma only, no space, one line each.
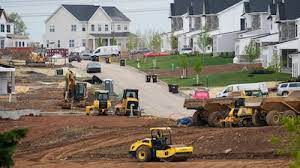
(232,24)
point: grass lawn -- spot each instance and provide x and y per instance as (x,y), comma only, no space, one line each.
(224,79)
(166,62)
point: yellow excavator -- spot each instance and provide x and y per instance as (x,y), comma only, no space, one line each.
(101,103)
(159,147)
(129,105)
(75,92)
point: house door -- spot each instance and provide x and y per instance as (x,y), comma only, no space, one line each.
(286,60)
(192,42)
(3,87)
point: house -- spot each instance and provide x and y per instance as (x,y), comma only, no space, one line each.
(7,80)
(8,38)
(74,26)
(221,19)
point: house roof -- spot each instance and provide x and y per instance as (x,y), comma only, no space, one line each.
(115,14)
(85,12)
(258,6)
(196,7)
(2,12)
(289,10)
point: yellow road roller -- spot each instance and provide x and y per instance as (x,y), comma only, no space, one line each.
(159,147)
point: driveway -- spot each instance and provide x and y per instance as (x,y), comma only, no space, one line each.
(155,98)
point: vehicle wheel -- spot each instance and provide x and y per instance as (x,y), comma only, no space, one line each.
(289,114)
(273,118)
(256,119)
(197,120)
(143,154)
(117,112)
(214,119)
(285,94)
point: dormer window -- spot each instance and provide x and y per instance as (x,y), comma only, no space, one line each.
(8,29)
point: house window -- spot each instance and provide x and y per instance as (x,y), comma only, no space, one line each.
(92,27)
(73,28)
(71,43)
(243,24)
(296,31)
(119,27)
(83,27)
(106,27)
(212,22)
(23,44)
(46,44)
(58,43)
(52,28)
(2,44)
(8,28)
(125,27)
(256,22)
(83,43)
(16,44)
(2,28)
(20,44)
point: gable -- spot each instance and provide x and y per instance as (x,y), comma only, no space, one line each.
(100,15)
(3,16)
(60,14)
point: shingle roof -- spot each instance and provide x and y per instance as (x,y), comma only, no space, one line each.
(289,10)
(216,6)
(115,14)
(259,6)
(85,12)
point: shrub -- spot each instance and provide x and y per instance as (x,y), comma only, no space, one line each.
(262,71)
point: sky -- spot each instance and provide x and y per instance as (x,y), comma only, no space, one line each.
(145,14)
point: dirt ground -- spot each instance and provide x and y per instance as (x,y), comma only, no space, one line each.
(207,70)
(74,141)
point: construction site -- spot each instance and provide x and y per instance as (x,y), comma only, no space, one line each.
(76,119)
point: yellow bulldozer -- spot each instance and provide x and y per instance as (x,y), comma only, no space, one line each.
(101,103)
(129,105)
(75,93)
(159,147)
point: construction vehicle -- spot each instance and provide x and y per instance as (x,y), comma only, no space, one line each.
(244,110)
(159,147)
(75,93)
(101,103)
(36,59)
(129,105)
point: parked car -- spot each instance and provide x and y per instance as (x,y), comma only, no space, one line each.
(201,94)
(74,56)
(244,87)
(93,67)
(140,51)
(156,54)
(86,55)
(186,50)
(285,88)
(106,51)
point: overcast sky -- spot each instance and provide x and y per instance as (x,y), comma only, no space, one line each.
(145,14)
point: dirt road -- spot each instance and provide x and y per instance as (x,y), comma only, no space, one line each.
(154,98)
(76,141)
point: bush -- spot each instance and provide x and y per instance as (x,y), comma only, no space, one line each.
(262,71)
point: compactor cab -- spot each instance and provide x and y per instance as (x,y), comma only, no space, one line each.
(159,147)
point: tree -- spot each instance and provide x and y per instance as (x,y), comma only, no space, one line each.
(204,40)
(19,25)
(198,68)
(99,42)
(132,42)
(174,42)
(275,63)
(113,41)
(291,144)
(8,142)
(184,65)
(252,51)
(155,41)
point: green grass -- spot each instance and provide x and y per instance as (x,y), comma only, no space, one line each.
(224,79)
(165,63)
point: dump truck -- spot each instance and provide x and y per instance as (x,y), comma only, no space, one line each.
(266,110)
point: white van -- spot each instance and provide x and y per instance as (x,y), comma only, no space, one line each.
(106,51)
(244,87)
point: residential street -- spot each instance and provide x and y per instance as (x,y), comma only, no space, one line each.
(155,98)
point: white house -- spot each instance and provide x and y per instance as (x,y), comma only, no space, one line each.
(73,26)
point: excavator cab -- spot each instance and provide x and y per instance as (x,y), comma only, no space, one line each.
(129,103)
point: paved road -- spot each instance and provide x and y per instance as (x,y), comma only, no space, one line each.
(154,98)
